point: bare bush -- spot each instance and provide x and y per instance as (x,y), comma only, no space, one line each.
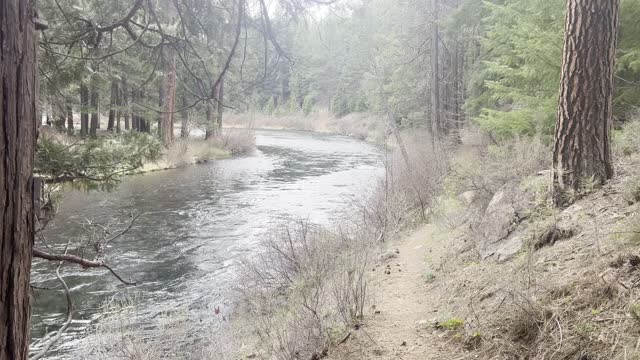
(414,175)
(120,334)
(485,169)
(239,142)
(306,285)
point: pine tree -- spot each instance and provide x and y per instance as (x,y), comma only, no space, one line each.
(582,149)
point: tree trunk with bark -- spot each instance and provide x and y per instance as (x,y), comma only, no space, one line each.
(143,122)
(84,108)
(220,107)
(210,110)
(126,109)
(95,116)
(61,117)
(170,98)
(582,151)
(161,100)
(18,128)
(435,74)
(69,119)
(113,106)
(119,109)
(184,128)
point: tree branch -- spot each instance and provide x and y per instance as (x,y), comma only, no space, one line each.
(79,261)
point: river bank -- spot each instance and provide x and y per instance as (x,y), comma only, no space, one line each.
(500,273)
(370,127)
(197,222)
(196,150)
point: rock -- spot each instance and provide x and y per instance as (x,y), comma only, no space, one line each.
(501,234)
(468,197)
(404,343)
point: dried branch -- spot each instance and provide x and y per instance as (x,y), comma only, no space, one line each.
(66,324)
(79,261)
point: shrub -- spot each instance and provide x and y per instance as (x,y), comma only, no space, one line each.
(306,285)
(270,106)
(484,170)
(307,105)
(626,141)
(94,163)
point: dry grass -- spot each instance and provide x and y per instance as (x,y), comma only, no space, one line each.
(196,150)
(364,126)
(170,335)
(575,299)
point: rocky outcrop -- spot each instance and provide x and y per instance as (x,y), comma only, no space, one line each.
(502,230)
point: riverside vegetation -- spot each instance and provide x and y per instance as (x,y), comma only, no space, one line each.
(505,225)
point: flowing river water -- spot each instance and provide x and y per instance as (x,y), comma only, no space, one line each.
(198,222)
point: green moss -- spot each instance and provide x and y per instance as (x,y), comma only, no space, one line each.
(586,329)
(451,324)
(635,311)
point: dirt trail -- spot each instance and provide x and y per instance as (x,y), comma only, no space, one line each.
(400,326)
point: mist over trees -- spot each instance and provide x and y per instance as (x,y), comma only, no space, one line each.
(566,71)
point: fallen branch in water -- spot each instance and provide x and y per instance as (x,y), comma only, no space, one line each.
(79,261)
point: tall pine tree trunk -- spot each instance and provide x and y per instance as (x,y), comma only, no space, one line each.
(113,106)
(61,117)
(69,119)
(220,107)
(84,108)
(435,74)
(119,109)
(170,98)
(143,122)
(126,109)
(161,100)
(95,116)
(18,127)
(582,151)
(184,128)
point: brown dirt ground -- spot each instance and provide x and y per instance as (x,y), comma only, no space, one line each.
(489,296)
(400,325)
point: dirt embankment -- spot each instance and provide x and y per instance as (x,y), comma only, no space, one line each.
(569,292)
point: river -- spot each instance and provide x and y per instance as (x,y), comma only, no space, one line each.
(198,222)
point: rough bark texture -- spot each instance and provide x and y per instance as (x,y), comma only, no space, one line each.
(170,98)
(582,151)
(18,93)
